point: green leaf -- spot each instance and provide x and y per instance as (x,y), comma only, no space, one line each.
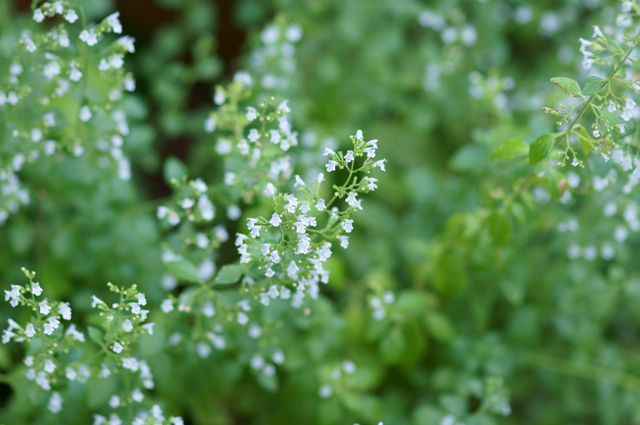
(96,335)
(99,391)
(592,85)
(183,270)
(611,118)
(500,227)
(541,148)
(268,382)
(439,326)
(585,140)
(569,85)
(393,346)
(229,274)
(636,65)
(173,169)
(366,406)
(426,414)
(454,404)
(510,149)
(470,158)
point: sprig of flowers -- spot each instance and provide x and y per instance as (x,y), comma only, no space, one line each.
(76,69)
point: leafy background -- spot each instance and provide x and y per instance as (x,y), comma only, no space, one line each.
(487,304)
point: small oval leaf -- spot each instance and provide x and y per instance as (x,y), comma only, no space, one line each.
(183,270)
(229,274)
(541,148)
(569,85)
(593,85)
(510,149)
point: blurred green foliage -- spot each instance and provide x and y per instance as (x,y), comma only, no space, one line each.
(489,311)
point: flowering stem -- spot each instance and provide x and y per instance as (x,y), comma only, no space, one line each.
(587,103)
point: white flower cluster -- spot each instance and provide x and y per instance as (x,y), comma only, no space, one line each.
(41,132)
(377,304)
(154,416)
(273,62)
(337,376)
(126,323)
(296,256)
(193,205)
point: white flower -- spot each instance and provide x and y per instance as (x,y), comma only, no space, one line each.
(49,366)
(30,331)
(85,113)
(292,203)
(137,395)
(210,125)
(44,307)
(255,331)
(104,65)
(273,291)
(116,61)
(208,309)
(71,16)
(130,84)
(243,318)
(219,97)
(284,107)
(380,164)
(117,348)
(257,362)
(95,301)
(166,306)
(597,32)
(596,133)
(51,70)
(253,135)
(275,220)
(348,366)
(127,326)
(326,391)
(114,22)
(207,208)
(127,43)
(187,203)
(243,147)
(55,403)
(65,311)
(575,162)
(347,225)
(75,74)
(349,156)
(621,128)
(275,257)
(298,182)
(114,401)
(331,165)
(199,185)
(344,241)
(38,16)
(269,190)
(36,289)
(202,240)
(252,114)
(130,363)
(89,37)
(274,136)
